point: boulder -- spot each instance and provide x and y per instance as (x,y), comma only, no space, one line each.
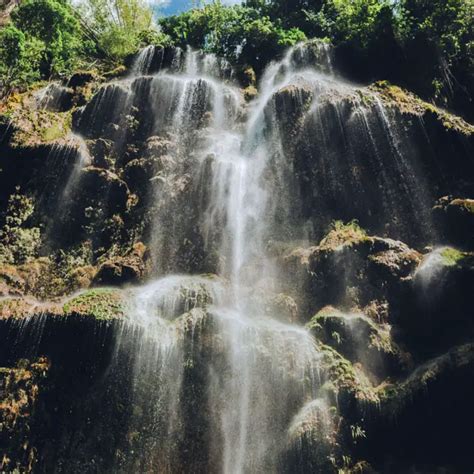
(455,217)
(425,419)
(103,304)
(359,339)
(101,150)
(103,188)
(81,78)
(123,269)
(349,269)
(439,300)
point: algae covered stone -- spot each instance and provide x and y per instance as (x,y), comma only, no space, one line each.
(102,304)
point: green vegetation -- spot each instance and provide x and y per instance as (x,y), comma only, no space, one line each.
(43,39)
(376,38)
(341,234)
(51,38)
(101,304)
(243,34)
(18,240)
(451,256)
(119,27)
(425,45)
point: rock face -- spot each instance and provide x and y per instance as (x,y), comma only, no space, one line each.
(338,334)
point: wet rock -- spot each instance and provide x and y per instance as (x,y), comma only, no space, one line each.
(440,300)
(392,260)
(81,78)
(20,387)
(281,307)
(426,417)
(158,146)
(456,219)
(102,304)
(102,186)
(101,116)
(158,58)
(101,150)
(57,98)
(137,174)
(291,103)
(347,384)
(351,269)
(359,339)
(50,366)
(121,270)
(313,439)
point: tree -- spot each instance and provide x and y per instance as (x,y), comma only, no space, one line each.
(20,58)
(120,25)
(54,24)
(438,40)
(240,33)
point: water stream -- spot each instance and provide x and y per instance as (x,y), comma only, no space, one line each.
(218,373)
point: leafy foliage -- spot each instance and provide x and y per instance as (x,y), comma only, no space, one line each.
(18,241)
(425,45)
(53,24)
(239,33)
(49,38)
(120,26)
(20,58)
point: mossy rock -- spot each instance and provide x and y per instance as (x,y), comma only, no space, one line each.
(452,257)
(455,218)
(359,339)
(346,380)
(408,103)
(21,308)
(20,387)
(125,269)
(342,235)
(394,396)
(441,262)
(103,304)
(349,269)
(33,127)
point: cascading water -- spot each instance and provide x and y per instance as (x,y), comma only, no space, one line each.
(221,383)
(258,371)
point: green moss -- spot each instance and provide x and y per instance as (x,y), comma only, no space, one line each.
(397,394)
(347,332)
(14,308)
(19,308)
(452,257)
(101,304)
(345,377)
(52,133)
(317,321)
(342,234)
(409,103)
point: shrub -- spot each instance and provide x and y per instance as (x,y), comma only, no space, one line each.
(18,241)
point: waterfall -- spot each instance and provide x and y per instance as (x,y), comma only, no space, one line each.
(256,372)
(220,382)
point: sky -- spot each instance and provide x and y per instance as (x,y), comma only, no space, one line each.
(170,7)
